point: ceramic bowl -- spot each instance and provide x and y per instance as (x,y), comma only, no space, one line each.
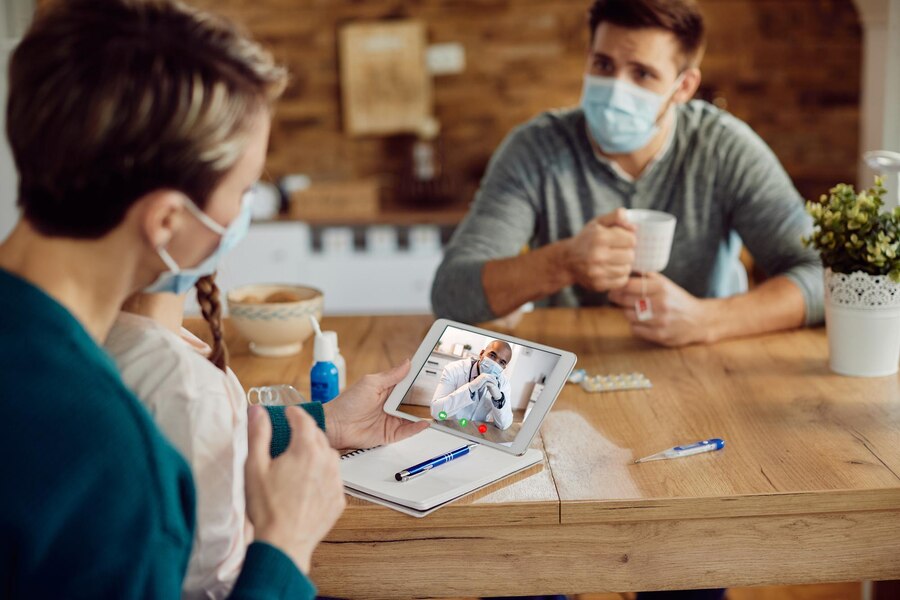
(274,318)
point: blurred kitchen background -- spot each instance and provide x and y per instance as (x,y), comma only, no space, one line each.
(395,106)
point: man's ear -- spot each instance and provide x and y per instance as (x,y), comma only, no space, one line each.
(690,83)
(160,214)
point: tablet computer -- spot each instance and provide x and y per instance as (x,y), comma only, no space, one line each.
(482,386)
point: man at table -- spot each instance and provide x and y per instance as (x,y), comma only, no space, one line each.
(560,185)
(476,390)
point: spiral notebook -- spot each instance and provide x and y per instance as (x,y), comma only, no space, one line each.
(369,474)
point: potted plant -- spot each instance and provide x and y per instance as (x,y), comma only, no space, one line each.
(860,248)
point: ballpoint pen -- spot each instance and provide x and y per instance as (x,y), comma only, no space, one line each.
(679,451)
(424,467)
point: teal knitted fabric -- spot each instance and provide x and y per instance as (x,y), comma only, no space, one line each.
(281,429)
(268,574)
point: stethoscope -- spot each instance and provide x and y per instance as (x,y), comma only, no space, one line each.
(471,368)
(474,362)
(472,394)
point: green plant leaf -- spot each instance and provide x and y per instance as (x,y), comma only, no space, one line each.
(852,233)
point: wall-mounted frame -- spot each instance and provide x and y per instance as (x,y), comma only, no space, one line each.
(385,85)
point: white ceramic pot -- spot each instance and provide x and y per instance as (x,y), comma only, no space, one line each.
(862,315)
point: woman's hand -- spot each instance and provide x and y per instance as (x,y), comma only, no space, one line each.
(356,418)
(294,500)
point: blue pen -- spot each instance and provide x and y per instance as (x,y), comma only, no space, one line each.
(679,451)
(424,467)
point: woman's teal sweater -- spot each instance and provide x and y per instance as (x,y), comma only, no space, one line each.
(94,502)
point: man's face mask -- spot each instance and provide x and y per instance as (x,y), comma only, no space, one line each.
(177,280)
(621,116)
(491,367)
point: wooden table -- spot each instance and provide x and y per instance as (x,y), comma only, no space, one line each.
(806,490)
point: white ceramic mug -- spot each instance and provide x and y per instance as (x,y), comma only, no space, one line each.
(654,230)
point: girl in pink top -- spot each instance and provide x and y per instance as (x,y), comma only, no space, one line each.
(199,404)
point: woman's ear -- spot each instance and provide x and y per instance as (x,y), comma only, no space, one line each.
(690,83)
(160,214)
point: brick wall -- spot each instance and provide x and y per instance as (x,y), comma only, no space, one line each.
(790,68)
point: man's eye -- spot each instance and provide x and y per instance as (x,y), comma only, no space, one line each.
(603,65)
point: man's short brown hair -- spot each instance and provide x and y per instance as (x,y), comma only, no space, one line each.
(112,99)
(680,17)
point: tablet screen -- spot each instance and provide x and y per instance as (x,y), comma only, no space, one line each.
(479,385)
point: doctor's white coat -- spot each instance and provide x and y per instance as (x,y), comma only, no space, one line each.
(452,396)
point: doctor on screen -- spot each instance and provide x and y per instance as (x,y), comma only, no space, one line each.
(476,389)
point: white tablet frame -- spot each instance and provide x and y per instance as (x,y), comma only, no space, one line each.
(553,385)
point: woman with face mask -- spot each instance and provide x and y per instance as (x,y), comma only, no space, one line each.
(127,180)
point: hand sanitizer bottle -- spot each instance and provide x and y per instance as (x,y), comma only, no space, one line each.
(339,361)
(323,377)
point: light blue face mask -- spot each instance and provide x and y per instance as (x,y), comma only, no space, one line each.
(491,367)
(620,116)
(177,280)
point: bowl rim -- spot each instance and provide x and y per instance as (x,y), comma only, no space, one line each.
(231,300)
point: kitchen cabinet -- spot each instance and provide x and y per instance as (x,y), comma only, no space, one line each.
(354,281)
(9,214)
(422,390)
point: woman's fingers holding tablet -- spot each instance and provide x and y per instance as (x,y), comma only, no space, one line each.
(356,418)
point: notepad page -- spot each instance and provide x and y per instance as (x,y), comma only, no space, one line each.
(372,471)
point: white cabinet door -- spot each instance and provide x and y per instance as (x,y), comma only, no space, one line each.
(15,16)
(353,282)
(425,384)
(9,214)
(369,284)
(271,253)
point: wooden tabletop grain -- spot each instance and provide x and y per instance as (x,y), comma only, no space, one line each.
(807,488)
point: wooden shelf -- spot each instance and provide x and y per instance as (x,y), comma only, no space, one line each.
(388,216)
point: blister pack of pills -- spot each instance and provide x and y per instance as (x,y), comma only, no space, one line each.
(610,383)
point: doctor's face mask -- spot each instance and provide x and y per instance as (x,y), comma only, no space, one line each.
(489,366)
